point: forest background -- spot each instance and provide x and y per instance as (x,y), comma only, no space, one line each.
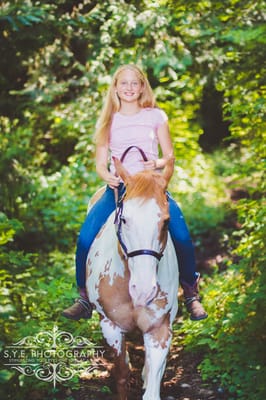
(205,61)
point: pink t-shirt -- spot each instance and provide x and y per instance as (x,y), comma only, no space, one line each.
(139,130)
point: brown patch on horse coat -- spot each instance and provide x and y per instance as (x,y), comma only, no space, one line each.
(161,300)
(116,301)
(145,319)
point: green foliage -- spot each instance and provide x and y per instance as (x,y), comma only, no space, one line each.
(203,198)
(15,165)
(232,337)
(8,228)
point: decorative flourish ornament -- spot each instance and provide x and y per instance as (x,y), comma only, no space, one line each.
(52,356)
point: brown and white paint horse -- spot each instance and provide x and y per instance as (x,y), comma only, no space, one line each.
(132,276)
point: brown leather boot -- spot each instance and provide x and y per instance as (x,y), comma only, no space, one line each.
(192,300)
(80,309)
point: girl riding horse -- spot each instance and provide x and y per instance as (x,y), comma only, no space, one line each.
(130,118)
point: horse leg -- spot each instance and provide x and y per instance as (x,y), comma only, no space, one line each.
(116,340)
(157,344)
(121,371)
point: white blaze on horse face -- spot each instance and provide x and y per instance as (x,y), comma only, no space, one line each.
(141,231)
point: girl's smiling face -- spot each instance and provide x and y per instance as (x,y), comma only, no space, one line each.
(128,86)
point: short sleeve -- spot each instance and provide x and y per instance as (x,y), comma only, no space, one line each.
(161,117)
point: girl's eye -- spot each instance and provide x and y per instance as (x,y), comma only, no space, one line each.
(135,83)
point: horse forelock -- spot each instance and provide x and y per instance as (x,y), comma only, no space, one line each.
(147,185)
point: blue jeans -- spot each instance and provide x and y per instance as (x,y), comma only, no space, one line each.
(99,214)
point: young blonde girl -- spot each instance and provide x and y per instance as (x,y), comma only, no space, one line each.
(130,118)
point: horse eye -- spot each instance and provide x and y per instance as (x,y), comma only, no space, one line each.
(123,220)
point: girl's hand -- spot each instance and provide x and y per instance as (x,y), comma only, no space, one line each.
(150,164)
(112,181)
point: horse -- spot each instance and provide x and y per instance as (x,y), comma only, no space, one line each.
(132,276)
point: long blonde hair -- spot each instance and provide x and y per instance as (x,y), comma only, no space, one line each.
(112,102)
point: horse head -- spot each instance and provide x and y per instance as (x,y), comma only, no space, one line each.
(143,228)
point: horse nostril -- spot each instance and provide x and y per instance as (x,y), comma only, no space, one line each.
(133,289)
(154,290)
(152,295)
(142,296)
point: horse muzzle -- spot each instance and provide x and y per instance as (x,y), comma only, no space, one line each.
(142,296)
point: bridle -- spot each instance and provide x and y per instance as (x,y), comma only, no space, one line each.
(119,220)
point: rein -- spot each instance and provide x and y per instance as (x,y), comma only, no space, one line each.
(119,220)
(145,158)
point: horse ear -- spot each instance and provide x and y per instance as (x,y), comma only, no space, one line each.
(168,170)
(121,171)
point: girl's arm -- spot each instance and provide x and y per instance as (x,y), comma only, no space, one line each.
(165,144)
(101,166)
(166,147)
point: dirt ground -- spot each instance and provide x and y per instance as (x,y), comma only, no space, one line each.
(181,381)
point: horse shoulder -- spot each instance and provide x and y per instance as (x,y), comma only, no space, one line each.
(103,259)
(168,273)
(168,277)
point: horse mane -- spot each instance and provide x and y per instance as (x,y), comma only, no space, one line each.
(146,185)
